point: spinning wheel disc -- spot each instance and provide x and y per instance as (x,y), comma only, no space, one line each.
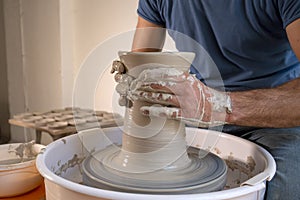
(201,175)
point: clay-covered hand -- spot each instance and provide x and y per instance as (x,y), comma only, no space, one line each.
(180,96)
(124,81)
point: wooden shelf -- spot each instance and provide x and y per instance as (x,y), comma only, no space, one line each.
(100,119)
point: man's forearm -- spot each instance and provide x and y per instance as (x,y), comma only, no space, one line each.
(276,107)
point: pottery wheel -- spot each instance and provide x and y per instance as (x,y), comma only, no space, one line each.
(201,175)
(153,157)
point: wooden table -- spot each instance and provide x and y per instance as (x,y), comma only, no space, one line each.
(92,119)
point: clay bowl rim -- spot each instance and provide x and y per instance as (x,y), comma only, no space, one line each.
(8,167)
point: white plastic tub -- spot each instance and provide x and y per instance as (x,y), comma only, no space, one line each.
(249,166)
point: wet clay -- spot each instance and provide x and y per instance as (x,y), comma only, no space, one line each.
(153,157)
(74,161)
(247,168)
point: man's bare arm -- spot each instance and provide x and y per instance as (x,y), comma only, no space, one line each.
(149,37)
(277,107)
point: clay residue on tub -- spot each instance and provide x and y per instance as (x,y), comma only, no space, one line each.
(246,168)
(74,161)
(93,150)
(64,141)
(25,150)
(59,163)
(251,163)
(217,151)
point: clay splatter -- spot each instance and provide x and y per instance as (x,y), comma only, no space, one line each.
(76,160)
(246,168)
(24,151)
(217,151)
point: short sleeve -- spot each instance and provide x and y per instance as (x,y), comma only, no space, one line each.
(150,11)
(289,11)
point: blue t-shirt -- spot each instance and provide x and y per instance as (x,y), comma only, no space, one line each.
(246,39)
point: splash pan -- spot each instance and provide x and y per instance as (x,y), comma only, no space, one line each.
(247,173)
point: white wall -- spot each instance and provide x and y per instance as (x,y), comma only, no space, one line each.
(4,113)
(46,43)
(95,22)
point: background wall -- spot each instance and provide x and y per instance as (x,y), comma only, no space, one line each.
(4,114)
(47,41)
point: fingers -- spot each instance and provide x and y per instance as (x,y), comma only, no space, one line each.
(172,113)
(118,67)
(155,97)
(175,113)
(162,74)
(162,87)
(159,111)
(174,83)
(122,88)
(169,91)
